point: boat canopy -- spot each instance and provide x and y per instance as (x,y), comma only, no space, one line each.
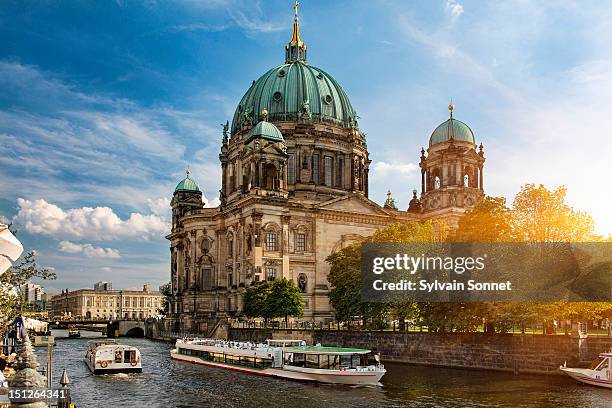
(286,342)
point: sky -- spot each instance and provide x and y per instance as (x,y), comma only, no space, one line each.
(104,104)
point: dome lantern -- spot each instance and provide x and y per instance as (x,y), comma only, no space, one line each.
(295,50)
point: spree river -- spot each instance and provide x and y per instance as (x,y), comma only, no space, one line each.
(168,383)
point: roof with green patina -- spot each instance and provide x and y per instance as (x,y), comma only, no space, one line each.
(294,91)
(452,129)
(265,130)
(187,184)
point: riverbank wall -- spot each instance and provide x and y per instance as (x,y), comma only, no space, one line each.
(505,352)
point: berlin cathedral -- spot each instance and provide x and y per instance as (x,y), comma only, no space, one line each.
(294,190)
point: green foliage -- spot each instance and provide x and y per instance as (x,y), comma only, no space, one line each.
(537,215)
(255,300)
(345,276)
(19,274)
(166,291)
(488,221)
(281,298)
(284,299)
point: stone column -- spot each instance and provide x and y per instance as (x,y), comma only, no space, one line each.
(285,220)
(422,181)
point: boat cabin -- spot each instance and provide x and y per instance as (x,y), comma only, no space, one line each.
(329,358)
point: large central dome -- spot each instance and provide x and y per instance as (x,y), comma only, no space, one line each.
(294,91)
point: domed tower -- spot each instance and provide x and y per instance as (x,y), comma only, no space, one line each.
(326,153)
(187,197)
(264,161)
(452,171)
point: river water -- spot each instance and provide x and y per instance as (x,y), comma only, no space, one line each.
(168,383)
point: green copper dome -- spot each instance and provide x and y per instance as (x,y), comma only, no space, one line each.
(294,91)
(187,184)
(452,129)
(265,130)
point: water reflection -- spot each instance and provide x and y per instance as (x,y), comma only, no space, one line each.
(168,383)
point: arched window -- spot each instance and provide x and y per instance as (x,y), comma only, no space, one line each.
(437,183)
(230,246)
(466,181)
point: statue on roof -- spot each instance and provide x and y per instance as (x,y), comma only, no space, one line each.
(390,202)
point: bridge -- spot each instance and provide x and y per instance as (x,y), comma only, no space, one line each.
(113,328)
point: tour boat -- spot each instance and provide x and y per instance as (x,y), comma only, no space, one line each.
(600,376)
(107,356)
(289,359)
(73,332)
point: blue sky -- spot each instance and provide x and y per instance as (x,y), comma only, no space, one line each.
(104,104)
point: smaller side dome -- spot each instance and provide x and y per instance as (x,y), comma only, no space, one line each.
(187,184)
(265,130)
(452,129)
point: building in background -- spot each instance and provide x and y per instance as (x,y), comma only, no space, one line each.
(33,296)
(92,304)
(295,189)
(103,285)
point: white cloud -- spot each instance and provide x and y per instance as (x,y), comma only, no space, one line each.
(454,8)
(99,223)
(106,269)
(384,169)
(252,25)
(88,250)
(160,206)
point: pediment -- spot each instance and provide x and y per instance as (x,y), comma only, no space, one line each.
(354,203)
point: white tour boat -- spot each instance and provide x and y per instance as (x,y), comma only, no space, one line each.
(289,359)
(601,375)
(107,356)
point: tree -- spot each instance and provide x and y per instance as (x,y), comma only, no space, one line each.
(345,274)
(541,215)
(256,301)
(488,221)
(166,291)
(284,299)
(27,268)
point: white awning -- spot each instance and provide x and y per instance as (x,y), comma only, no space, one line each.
(10,248)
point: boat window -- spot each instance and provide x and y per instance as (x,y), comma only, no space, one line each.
(334,362)
(345,360)
(324,361)
(364,360)
(602,365)
(118,356)
(129,355)
(312,361)
(356,360)
(289,358)
(298,359)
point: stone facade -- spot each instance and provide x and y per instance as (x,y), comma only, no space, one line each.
(504,352)
(106,304)
(293,191)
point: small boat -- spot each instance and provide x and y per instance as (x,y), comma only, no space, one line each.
(289,359)
(73,332)
(600,376)
(107,356)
